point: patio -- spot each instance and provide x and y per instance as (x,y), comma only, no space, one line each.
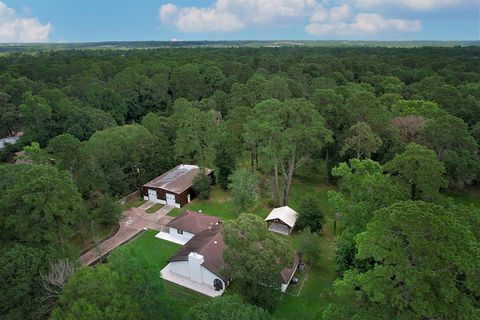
(168,237)
(187,283)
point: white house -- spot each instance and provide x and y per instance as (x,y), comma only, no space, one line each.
(184,227)
(197,265)
(282,220)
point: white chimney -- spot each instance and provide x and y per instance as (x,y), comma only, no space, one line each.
(195,261)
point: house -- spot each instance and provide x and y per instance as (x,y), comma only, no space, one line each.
(287,274)
(183,228)
(174,187)
(282,220)
(197,265)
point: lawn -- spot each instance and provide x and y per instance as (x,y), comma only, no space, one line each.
(317,291)
(219,205)
(158,252)
(154,208)
(135,203)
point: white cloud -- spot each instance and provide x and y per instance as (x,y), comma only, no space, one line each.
(361,24)
(17,29)
(415,5)
(232,15)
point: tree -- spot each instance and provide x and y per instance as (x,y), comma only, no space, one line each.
(118,160)
(362,140)
(128,287)
(308,245)
(196,137)
(254,258)
(244,186)
(423,265)
(364,188)
(202,185)
(449,137)
(227,308)
(310,215)
(65,150)
(42,206)
(37,116)
(285,133)
(10,121)
(21,288)
(225,164)
(420,171)
(108,211)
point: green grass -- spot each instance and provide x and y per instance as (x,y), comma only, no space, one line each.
(154,208)
(133,203)
(158,252)
(219,205)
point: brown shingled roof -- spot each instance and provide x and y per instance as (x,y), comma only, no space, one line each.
(209,244)
(193,222)
(288,273)
(177,179)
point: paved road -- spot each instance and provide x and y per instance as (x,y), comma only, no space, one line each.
(134,220)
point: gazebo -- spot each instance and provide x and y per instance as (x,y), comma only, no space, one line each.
(282,220)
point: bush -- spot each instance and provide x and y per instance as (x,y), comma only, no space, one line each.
(308,245)
(202,185)
(309,214)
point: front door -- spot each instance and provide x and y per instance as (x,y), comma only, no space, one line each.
(170,199)
(152,195)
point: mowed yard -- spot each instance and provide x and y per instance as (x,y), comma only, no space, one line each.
(158,252)
(317,290)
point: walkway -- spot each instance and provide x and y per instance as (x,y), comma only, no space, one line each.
(134,220)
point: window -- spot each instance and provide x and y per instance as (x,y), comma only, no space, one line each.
(179,231)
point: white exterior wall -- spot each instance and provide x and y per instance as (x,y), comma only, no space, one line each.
(208,277)
(284,287)
(186,235)
(180,267)
(195,261)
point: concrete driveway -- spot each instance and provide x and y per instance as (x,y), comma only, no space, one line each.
(134,220)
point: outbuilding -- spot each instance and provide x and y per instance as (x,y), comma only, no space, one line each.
(282,220)
(174,187)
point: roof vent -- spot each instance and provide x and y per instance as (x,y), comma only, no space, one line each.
(215,242)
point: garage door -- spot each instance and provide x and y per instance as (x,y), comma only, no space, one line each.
(152,195)
(170,199)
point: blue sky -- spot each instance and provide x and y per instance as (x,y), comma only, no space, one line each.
(102,20)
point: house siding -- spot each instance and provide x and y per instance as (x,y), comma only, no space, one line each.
(186,235)
(182,268)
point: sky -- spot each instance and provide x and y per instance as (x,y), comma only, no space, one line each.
(165,20)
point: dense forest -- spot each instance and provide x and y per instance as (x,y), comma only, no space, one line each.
(395,129)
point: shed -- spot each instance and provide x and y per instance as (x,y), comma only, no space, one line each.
(282,220)
(174,187)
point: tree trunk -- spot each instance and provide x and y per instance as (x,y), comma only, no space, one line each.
(276,188)
(251,158)
(327,166)
(288,181)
